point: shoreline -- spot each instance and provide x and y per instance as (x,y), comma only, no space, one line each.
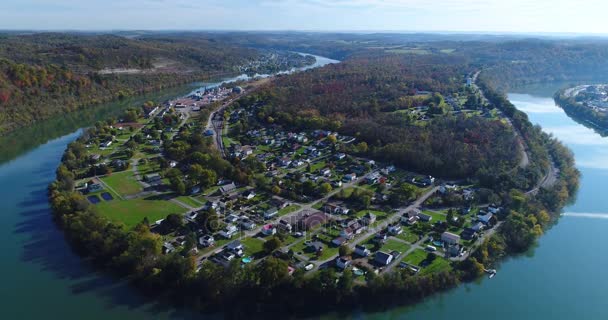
(448,281)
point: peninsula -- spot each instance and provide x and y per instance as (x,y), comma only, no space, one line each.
(308,190)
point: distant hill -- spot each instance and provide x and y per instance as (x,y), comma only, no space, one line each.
(44,74)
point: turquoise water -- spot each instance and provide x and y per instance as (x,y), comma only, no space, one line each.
(562,278)
(41,277)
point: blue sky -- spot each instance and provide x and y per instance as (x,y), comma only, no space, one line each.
(583,16)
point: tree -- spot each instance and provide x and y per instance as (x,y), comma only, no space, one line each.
(208,221)
(172,222)
(346,283)
(325,188)
(272,272)
(272,244)
(344,251)
(430,257)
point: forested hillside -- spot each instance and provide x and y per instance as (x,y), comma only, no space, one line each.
(373,98)
(46,74)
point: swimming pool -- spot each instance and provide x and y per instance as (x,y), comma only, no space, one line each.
(246,260)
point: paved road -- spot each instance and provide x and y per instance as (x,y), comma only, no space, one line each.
(551,176)
(303,208)
(390,220)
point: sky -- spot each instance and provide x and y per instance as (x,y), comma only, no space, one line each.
(534,16)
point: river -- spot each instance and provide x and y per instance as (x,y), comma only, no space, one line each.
(42,278)
(561,278)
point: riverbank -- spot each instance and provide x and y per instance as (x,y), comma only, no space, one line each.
(582,111)
(522,222)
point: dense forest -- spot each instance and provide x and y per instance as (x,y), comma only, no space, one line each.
(366,97)
(46,74)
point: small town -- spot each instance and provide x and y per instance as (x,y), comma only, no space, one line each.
(313,201)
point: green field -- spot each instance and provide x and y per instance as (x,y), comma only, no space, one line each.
(253,246)
(132,212)
(408,236)
(123,182)
(289,209)
(419,256)
(392,244)
(189,201)
(436,215)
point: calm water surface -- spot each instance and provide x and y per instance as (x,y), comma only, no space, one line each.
(41,277)
(563,278)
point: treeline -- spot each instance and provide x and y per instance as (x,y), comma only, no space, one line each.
(263,288)
(527,216)
(42,75)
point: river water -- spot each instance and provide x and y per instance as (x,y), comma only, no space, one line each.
(41,277)
(562,278)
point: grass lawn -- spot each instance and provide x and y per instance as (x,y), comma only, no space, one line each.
(408,236)
(392,244)
(289,209)
(436,215)
(123,182)
(317,166)
(416,257)
(419,256)
(189,201)
(253,246)
(132,212)
(379,214)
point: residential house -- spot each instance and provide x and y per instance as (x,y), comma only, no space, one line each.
(247,224)
(229,231)
(269,230)
(368,219)
(343,262)
(395,229)
(380,237)
(152,178)
(271,213)
(349,177)
(232,218)
(285,161)
(485,218)
(339,241)
(227,188)
(372,178)
(347,233)
(340,156)
(468,234)
(450,238)
(425,217)
(315,246)
(383,258)
(235,247)
(250,194)
(361,250)
(206,241)
(326,172)
(168,248)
